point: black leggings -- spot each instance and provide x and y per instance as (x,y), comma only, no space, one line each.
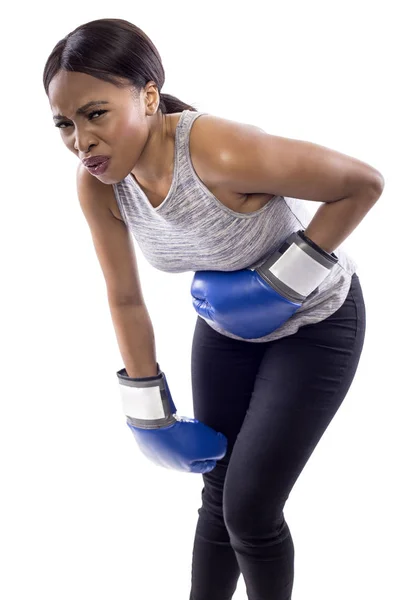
(273,401)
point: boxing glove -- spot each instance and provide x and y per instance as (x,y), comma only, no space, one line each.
(164,438)
(251,303)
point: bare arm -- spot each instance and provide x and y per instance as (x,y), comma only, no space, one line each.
(135,336)
(116,255)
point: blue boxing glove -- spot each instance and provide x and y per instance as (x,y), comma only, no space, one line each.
(167,440)
(253,303)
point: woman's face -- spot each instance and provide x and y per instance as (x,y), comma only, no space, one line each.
(118,129)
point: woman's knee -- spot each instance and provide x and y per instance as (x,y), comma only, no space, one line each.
(245,517)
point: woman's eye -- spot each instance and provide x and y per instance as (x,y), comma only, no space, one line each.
(95,112)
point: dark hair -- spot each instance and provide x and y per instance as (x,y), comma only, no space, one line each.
(110,49)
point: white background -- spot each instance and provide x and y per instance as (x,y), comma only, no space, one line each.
(83,515)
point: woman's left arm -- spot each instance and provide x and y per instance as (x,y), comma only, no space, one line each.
(249,160)
(333,222)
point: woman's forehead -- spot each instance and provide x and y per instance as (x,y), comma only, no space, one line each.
(70,92)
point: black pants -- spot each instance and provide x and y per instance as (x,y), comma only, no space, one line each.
(273,401)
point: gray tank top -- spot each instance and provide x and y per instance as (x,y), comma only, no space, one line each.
(193,231)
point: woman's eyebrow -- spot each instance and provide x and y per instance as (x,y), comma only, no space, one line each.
(82,109)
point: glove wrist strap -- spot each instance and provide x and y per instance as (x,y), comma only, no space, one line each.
(146,401)
(298,267)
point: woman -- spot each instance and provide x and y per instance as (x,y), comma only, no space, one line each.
(281,315)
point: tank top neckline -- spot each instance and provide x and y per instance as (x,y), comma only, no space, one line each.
(171,190)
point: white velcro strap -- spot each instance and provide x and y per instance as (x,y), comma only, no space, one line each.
(143,403)
(299,270)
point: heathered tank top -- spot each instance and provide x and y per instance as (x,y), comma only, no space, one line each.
(193,231)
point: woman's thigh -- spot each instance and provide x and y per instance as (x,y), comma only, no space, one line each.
(223,374)
(299,386)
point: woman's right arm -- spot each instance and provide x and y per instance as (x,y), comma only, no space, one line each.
(116,254)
